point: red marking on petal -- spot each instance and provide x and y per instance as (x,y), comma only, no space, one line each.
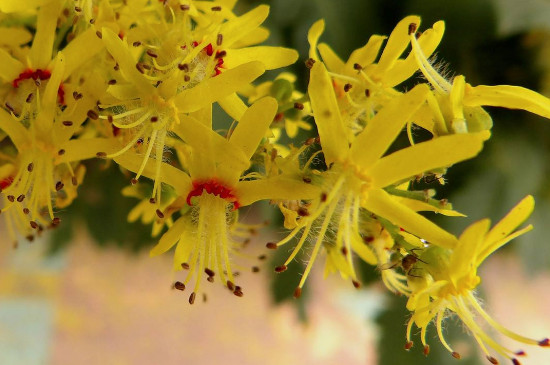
(6,182)
(215,188)
(30,74)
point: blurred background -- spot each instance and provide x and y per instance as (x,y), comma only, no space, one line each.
(89,293)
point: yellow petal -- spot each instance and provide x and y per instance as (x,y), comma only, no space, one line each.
(254,125)
(255,36)
(381,203)
(14,36)
(13,6)
(169,239)
(41,49)
(122,55)
(219,87)
(510,97)
(512,220)
(85,148)
(49,99)
(420,206)
(11,67)
(270,57)
(491,247)
(204,115)
(428,41)
(18,134)
(367,54)
(237,28)
(276,188)
(331,59)
(422,157)
(169,174)
(327,115)
(233,105)
(386,125)
(313,36)
(397,43)
(463,258)
(80,50)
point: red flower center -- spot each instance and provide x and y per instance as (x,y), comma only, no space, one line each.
(41,75)
(215,188)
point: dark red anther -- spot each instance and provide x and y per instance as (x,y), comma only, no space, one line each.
(520,353)
(356,284)
(426,350)
(409,345)
(456,355)
(516,362)
(544,343)
(297,293)
(209,49)
(271,245)
(492,360)
(281,268)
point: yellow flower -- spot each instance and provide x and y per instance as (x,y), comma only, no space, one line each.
(47,157)
(212,189)
(185,68)
(457,107)
(445,279)
(358,174)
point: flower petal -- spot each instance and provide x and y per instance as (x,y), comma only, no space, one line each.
(170,238)
(386,125)
(439,152)
(275,188)
(506,96)
(85,148)
(237,28)
(18,134)
(327,115)
(42,45)
(11,67)
(233,105)
(270,57)
(253,126)
(367,54)
(313,36)
(218,87)
(81,49)
(331,59)
(397,43)
(381,203)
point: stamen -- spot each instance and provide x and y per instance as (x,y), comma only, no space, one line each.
(179,285)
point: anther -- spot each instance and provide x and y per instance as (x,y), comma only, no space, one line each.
(220,54)
(219,39)
(29,238)
(30,167)
(154,119)
(209,272)
(20,198)
(262,257)
(297,293)
(367,93)
(74,181)
(238,291)
(356,284)
(56,221)
(271,245)
(456,355)
(116,67)
(67,123)
(426,350)
(303,212)
(139,68)
(357,67)
(110,118)
(78,9)
(98,34)
(185,7)
(11,198)
(409,345)
(159,214)
(412,28)
(299,106)
(306,179)
(492,360)
(186,78)
(59,185)
(179,285)
(151,53)
(9,107)
(310,62)
(61,152)
(230,285)
(29,98)
(92,114)
(323,197)
(281,268)
(192,298)
(111,82)
(255,269)
(520,353)
(92,21)
(344,250)
(544,343)
(133,181)
(516,362)
(347,87)
(101,154)
(216,8)
(153,201)
(77,95)
(26,211)
(183,67)
(34,225)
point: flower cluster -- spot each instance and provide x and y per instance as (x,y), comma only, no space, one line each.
(135,83)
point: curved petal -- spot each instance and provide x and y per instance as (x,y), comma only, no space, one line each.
(85,148)
(368,53)
(219,87)
(386,125)
(232,105)
(237,28)
(254,125)
(11,67)
(42,45)
(170,238)
(275,188)
(439,152)
(270,57)
(331,59)
(327,115)
(18,134)
(381,203)
(397,43)
(81,49)
(313,36)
